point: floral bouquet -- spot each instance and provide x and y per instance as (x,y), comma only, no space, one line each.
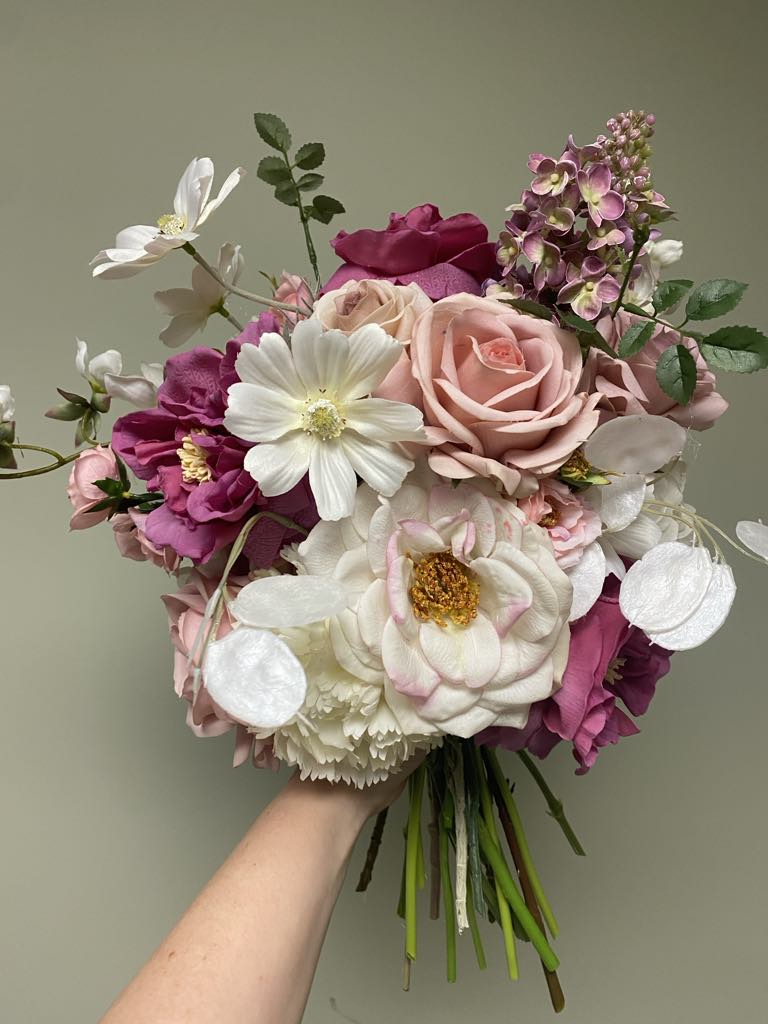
(433,507)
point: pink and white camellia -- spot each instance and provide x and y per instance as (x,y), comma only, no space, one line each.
(455,599)
(93,464)
(572,525)
(501,391)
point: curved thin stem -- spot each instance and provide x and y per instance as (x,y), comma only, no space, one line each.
(223,311)
(251,296)
(60,460)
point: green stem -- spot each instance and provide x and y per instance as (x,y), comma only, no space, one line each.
(412,860)
(448,903)
(487,823)
(251,296)
(61,460)
(477,941)
(640,240)
(223,311)
(493,855)
(555,806)
(304,224)
(502,788)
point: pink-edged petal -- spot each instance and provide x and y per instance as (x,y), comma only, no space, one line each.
(398,590)
(419,538)
(504,594)
(469,655)
(405,665)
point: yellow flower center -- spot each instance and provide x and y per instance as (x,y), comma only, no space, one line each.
(613,673)
(171,224)
(322,417)
(194,462)
(444,590)
(550,520)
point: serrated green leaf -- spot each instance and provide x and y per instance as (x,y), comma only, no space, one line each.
(273,170)
(530,307)
(286,193)
(273,131)
(736,349)
(669,293)
(578,323)
(635,339)
(676,373)
(597,341)
(309,156)
(309,182)
(714,298)
(66,411)
(630,307)
(326,208)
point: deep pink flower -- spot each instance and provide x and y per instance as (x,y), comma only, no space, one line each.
(442,255)
(266,322)
(132,541)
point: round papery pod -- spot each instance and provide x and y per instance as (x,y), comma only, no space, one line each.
(253,676)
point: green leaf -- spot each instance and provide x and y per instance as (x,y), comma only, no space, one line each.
(736,349)
(7,458)
(635,339)
(676,373)
(67,411)
(714,298)
(530,307)
(596,340)
(309,182)
(73,398)
(578,323)
(286,193)
(310,155)
(273,131)
(669,293)
(630,307)
(273,170)
(326,208)
(110,486)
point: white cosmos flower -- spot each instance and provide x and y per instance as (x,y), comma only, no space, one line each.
(139,390)
(94,370)
(7,404)
(141,245)
(189,308)
(307,406)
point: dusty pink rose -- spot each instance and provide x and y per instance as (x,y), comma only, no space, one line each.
(393,307)
(500,391)
(132,542)
(293,289)
(92,465)
(571,525)
(186,609)
(627,387)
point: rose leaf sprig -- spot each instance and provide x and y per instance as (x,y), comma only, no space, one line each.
(279,171)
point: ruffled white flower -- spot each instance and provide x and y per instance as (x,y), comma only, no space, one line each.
(142,245)
(94,370)
(189,308)
(307,407)
(139,390)
(655,259)
(7,404)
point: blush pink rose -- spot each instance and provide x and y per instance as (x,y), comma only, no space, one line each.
(186,609)
(627,387)
(132,542)
(500,391)
(571,525)
(294,290)
(393,307)
(92,465)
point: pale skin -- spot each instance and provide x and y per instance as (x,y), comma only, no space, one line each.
(247,948)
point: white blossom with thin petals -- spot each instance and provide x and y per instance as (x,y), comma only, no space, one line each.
(94,370)
(139,390)
(142,245)
(189,308)
(308,407)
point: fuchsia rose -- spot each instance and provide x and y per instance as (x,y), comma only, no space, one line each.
(572,526)
(93,464)
(132,542)
(500,391)
(608,660)
(441,255)
(186,609)
(627,387)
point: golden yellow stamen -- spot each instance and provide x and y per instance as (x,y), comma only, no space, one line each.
(171,224)
(550,520)
(444,591)
(194,462)
(613,673)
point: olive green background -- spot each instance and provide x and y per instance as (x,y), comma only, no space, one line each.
(113,814)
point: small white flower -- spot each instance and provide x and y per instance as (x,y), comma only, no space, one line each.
(7,404)
(141,245)
(656,257)
(94,370)
(307,406)
(139,390)
(189,308)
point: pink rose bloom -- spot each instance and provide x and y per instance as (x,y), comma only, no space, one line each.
(132,542)
(393,307)
(571,525)
(293,289)
(92,465)
(500,391)
(186,609)
(443,255)
(628,387)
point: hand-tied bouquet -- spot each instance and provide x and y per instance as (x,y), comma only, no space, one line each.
(436,505)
